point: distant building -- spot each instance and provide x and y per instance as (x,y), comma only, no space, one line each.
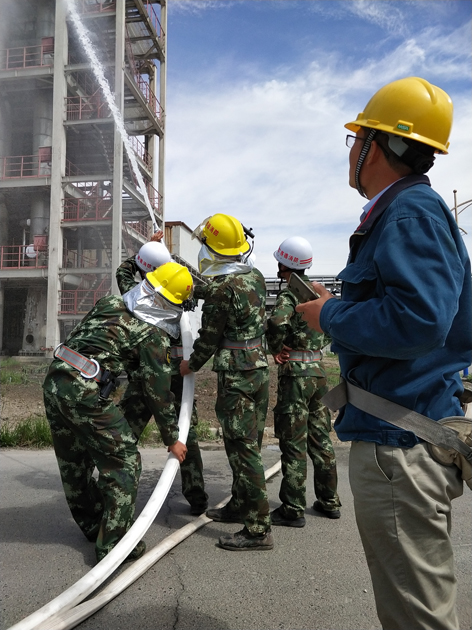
(71,208)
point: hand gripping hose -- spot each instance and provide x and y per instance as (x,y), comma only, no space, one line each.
(96,576)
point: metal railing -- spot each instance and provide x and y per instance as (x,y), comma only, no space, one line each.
(150,97)
(84,107)
(142,84)
(95,6)
(23,166)
(79,301)
(141,151)
(26,57)
(22,257)
(155,198)
(72,259)
(72,170)
(87,209)
(142,227)
(154,19)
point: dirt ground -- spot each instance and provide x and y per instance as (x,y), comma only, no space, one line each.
(21,401)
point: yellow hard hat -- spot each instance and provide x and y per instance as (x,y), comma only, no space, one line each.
(173,281)
(225,235)
(411,108)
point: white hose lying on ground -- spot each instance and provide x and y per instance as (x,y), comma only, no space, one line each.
(96,576)
(72,617)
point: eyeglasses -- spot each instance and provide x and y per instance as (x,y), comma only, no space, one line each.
(351,139)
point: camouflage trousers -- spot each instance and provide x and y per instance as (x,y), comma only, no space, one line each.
(89,433)
(138,415)
(303,424)
(241,408)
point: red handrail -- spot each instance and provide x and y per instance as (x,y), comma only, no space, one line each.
(141,152)
(70,258)
(26,57)
(22,166)
(87,209)
(97,6)
(15,257)
(79,301)
(84,107)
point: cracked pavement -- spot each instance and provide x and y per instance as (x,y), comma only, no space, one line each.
(315,577)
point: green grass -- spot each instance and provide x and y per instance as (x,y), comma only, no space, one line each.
(332,370)
(204,433)
(18,373)
(151,435)
(13,376)
(33,432)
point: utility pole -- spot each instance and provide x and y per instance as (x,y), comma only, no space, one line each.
(464,205)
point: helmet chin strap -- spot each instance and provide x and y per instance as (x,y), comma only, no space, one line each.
(360,161)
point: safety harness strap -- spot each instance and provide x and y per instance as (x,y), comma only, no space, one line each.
(304,356)
(247,344)
(88,368)
(425,428)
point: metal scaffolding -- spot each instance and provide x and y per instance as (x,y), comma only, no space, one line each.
(70,206)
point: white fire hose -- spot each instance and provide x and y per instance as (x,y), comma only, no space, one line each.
(96,576)
(66,611)
(72,617)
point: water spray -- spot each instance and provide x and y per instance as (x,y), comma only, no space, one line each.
(97,69)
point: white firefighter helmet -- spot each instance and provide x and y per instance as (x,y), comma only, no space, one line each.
(152,255)
(295,252)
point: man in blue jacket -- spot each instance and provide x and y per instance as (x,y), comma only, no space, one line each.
(403,332)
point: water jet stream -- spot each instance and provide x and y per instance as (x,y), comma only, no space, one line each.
(97,69)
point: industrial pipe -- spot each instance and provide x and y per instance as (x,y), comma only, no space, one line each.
(72,617)
(96,576)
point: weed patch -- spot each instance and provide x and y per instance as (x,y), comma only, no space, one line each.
(33,432)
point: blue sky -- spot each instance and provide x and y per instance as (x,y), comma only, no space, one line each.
(258,92)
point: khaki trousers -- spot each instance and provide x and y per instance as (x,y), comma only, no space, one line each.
(402,502)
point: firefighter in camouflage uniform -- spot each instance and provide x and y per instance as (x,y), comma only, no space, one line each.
(88,429)
(232,329)
(133,405)
(301,422)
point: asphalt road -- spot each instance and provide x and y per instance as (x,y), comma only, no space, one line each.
(315,578)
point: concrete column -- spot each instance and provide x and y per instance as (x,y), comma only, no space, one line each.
(57,172)
(116,236)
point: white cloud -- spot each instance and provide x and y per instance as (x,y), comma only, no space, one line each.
(271,151)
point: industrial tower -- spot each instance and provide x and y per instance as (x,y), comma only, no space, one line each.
(70,205)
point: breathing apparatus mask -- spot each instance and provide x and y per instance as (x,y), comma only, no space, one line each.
(230,238)
(212,264)
(147,304)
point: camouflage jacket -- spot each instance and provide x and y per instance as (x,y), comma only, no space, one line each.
(118,341)
(234,309)
(126,275)
(125,278)
(199,291)
(286,327)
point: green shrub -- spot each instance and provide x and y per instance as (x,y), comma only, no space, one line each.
(151,436)
(33,432)
(11,376)
(204,433)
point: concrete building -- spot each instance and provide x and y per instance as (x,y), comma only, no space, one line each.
(71,207)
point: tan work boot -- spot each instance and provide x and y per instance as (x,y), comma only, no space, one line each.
(243,541)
